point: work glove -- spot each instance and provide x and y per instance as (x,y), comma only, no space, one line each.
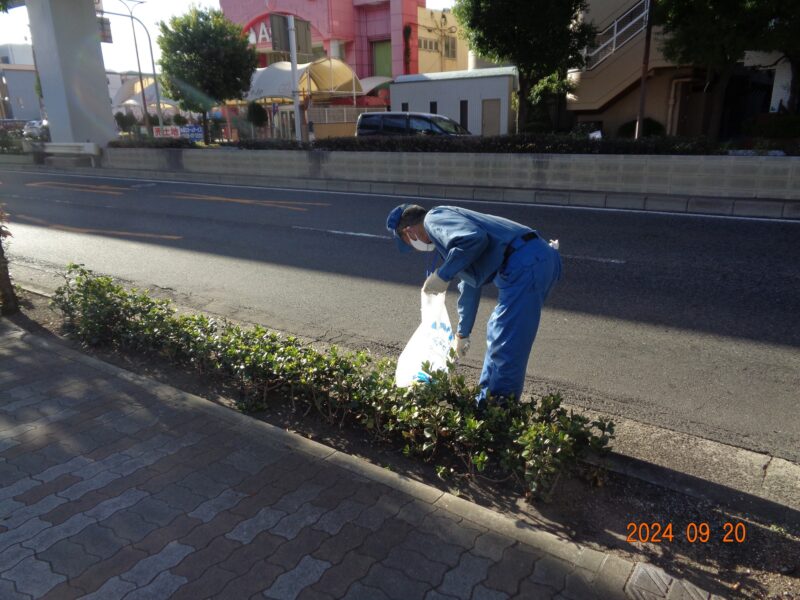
(435,284)
(462,346)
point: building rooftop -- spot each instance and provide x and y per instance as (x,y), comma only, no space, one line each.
(473,74)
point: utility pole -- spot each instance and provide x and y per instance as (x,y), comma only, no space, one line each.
(645,67)
(441,29)
(298,131)
(152,63)
(147,122)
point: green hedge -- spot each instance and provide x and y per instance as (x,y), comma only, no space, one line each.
(152,143)
(650,128)
(525,143)
(515,144)
(531,443)
(512,144)
(774,126)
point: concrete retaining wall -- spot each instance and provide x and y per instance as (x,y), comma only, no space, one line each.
(761,186)
(712,176)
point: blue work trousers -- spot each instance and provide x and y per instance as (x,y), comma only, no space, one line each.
(524,282)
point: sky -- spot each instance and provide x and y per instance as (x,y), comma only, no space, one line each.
(120,55)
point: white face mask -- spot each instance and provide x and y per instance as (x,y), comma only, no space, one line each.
(421,246)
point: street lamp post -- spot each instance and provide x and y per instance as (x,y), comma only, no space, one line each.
(152,63)
(130,9)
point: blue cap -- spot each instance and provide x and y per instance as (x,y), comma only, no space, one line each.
(392,221)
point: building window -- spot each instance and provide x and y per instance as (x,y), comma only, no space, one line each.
(450,47)
(428,45)
(434,108)
(465,114)
(382,58)
(404,107)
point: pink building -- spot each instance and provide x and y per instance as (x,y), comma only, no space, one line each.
(375,37)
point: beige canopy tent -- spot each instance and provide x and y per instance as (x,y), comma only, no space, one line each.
(322,80)
(132,90)
(375,82)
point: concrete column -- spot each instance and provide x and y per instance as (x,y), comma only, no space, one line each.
(67,43)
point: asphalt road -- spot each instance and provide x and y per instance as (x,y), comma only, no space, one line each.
(689,323)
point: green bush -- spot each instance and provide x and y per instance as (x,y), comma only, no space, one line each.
(650,128)
(268,144)
(10,144)
(152,143)
(180,120)
(775,126)
(530,444)
(524,143)
(514,144)
(257,114)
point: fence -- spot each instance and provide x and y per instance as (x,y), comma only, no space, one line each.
(339,114)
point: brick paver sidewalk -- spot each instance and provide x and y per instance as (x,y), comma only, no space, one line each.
(115,486)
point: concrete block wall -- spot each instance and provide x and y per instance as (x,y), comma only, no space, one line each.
(732,185)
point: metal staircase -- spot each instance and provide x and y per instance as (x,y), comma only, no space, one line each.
(619,33)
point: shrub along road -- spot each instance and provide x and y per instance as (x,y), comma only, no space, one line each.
(688,323)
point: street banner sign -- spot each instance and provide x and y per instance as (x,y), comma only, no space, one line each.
(192,132)
(170,131)
(105,30)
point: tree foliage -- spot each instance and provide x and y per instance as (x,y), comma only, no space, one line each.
(206,59)
(256,114)
(125,121)
(714,35)
(540,37)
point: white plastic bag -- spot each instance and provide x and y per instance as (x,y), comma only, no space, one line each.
(431,342)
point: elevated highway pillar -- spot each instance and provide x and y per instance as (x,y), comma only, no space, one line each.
(66,40)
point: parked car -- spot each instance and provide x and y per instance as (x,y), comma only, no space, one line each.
(406,123)
(36,130)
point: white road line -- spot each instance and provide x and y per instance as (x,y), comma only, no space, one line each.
(337,232)
(613,261)
(425,198)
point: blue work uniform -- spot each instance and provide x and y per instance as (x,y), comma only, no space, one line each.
(479,248)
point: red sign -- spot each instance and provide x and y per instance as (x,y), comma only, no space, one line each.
(169,132)
(259,33)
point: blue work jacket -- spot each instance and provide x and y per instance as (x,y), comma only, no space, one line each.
(472,246)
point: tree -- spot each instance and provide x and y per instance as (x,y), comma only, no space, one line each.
(180,120)
(125,121)
(540,37)
(256,114)
(8,298)
(712,34)
(206,59)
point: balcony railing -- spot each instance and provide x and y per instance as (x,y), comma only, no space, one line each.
(619,33)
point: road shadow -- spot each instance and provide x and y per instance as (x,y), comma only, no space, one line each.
(728,278)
